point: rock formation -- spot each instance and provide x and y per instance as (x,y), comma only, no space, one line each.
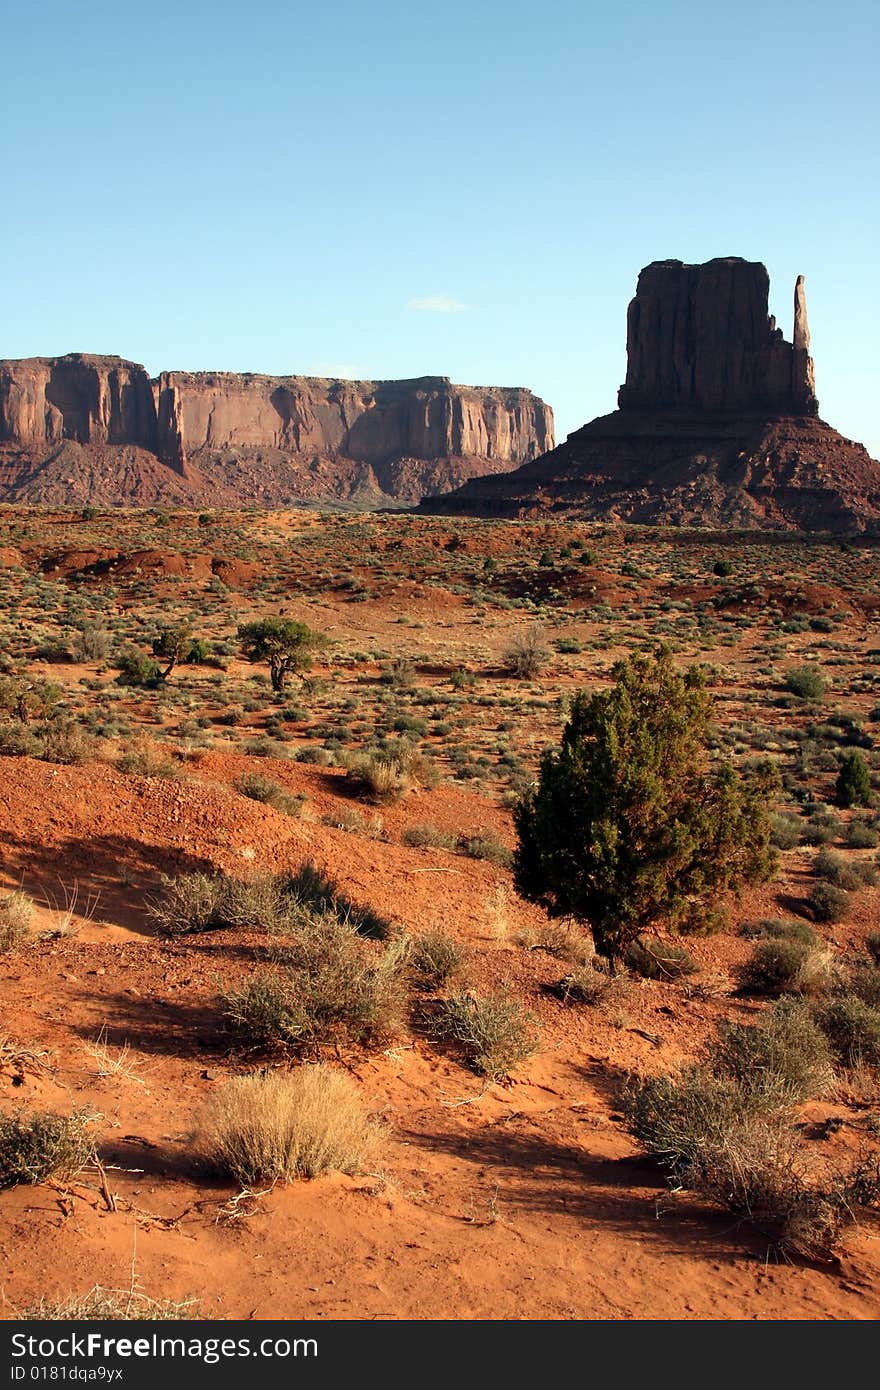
(717,422)
(77,423)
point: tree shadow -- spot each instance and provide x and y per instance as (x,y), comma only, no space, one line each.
(536,1174)
(160,1027)
(110,875)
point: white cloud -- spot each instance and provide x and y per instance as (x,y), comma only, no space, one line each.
(438,304)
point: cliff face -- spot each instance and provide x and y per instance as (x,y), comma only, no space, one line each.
(272,440)
(717,423)
(93,400)
(370,422)
(699,338)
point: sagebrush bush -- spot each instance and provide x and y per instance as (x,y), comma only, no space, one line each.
(486,845)
(782,929)
(852,1028)
(806,682)
(16,916)
(269,792)
(785,831)
(274,903)
(428,837)
(786,1051)
(864,981)
(828,903)
(436,960)
(527,653)
(494,1032)
(39,1144)
(733,1142)
(787,966)
(328,985)
(842,872)
(278,1126)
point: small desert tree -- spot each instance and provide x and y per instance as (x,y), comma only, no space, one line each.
(173,644)
(853,787)
(286,645)
(630,825)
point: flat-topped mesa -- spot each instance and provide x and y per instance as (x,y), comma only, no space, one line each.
(70,425)
(699,338)
(370,422)
(92,400)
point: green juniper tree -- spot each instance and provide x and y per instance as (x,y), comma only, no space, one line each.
(631,825)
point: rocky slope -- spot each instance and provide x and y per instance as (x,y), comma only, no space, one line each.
(717,423)
(97,429)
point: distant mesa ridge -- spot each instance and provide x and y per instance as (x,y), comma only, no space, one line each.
(717,423)
(99,425)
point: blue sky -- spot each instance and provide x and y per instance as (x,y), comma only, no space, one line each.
(382,190)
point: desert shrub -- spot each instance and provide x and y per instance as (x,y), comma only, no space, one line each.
(860,835)
(264,789)
(436,960)
(827,903)
(561,939)
(92,642)
(659,960)
(328,985)
(785,831)
(806,682)
(314,888)
(36,1145)
(734,1144)
(782,929)
(853,785)
(787,1050)
(588,984)
(386,775)
(137,669)
(852,1027)
(494,1032)
(872,943)
(486,845)
(65,741)
(527,653)
(822,827)
(864,982)
(786,966)
(428,837)
(278,1126)
(275,903)
(630,824)
(16,915)
(145,758)
(843,872)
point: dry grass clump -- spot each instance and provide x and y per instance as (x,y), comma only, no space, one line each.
(278,1126)
(785,965)
(39,1144)
(328,985)
(103,1304)
(16,916)
(436,960)
(559,938)
(494,1032)
(386,774)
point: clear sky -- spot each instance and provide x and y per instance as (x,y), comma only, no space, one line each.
(464,189)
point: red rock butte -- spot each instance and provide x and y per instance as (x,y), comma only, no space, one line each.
(81,428)
(717,423)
